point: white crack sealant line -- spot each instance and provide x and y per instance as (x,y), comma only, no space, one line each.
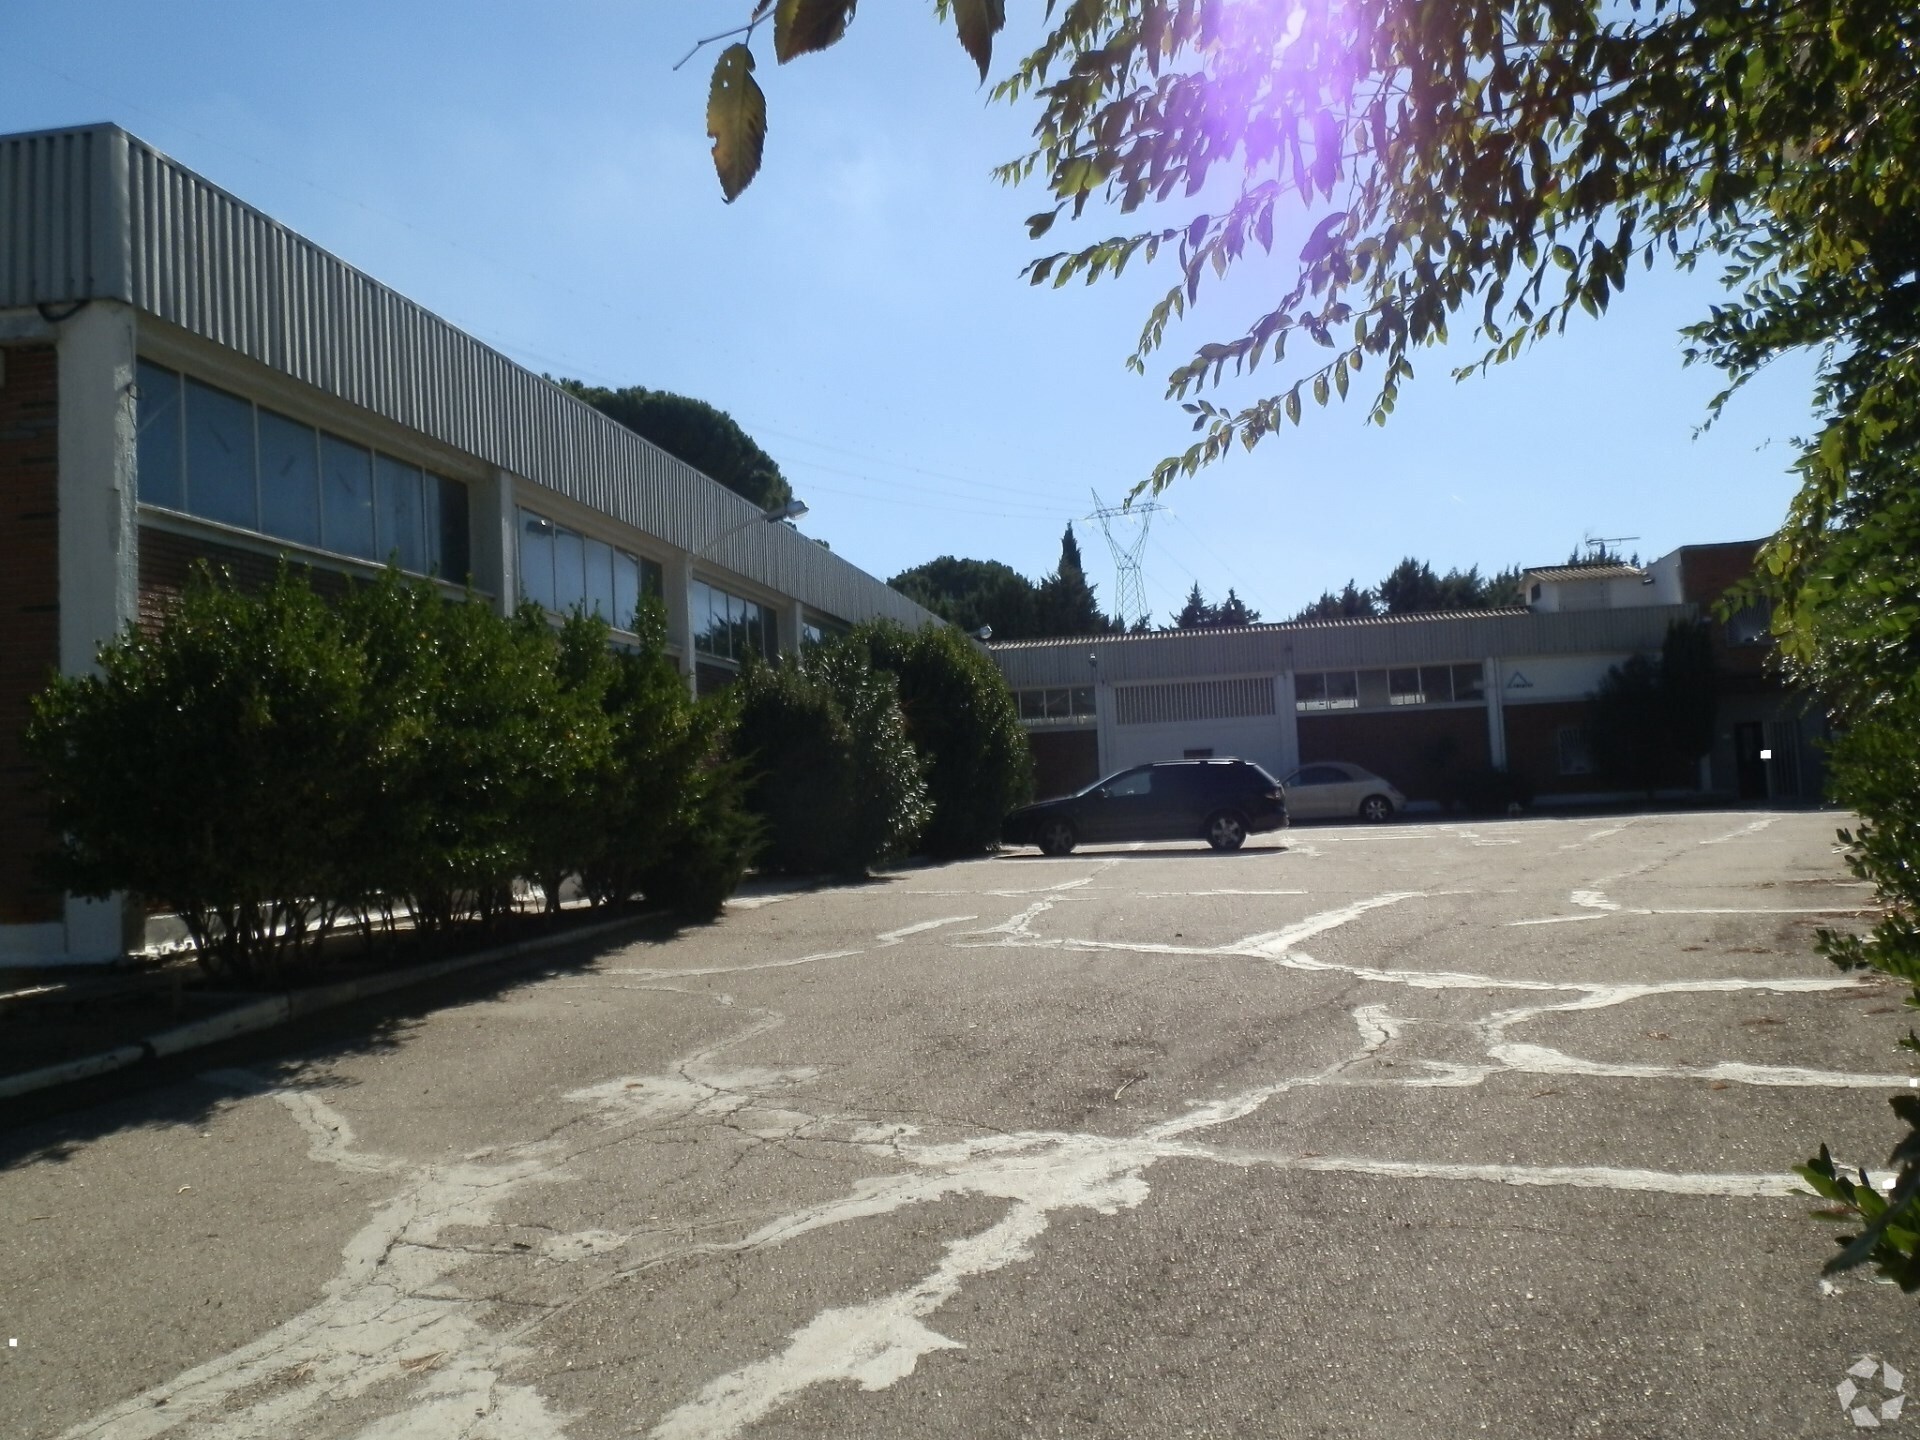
(389,1304)
(885,940)
(1017,891)
(1543,1060)
(1601,834)
(1205,894)
(1579,1177)
(1754,829)
(1610,910)
(394,1312)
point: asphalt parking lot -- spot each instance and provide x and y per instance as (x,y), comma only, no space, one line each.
(1444,1129)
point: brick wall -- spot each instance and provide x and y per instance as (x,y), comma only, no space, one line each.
(29,611)
(1063,761)
(1706,573)
(166,560)
(1422,752)
(1533,746)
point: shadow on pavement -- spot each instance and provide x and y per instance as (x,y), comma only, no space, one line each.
(47,1127)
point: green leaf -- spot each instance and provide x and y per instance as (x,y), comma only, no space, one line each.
(978,21)
(737,121)
(1320,242)
(1038,225)
(803,26)
(1293,405)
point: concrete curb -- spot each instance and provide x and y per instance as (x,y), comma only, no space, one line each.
(281,1009)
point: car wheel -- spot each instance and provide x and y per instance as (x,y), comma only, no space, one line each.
(1057,837)
(1376,808)
(1226,831)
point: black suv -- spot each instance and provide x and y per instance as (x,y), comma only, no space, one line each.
(1219,801)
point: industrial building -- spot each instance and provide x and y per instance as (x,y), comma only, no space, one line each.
(1423,700)
(182,379)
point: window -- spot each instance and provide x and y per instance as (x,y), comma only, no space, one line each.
(289,479)
(1576,755)
(206,452)
(400,517)
(1140,782)
(1366,689)
(346,497)
(161,476)
(1751,624)
(562,570)
(1061,702)
(727,626)
(220,478)
(1327,690)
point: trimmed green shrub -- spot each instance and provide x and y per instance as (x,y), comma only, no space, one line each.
(964,724)
(267,764)
(670,815)
(462,704)
(834,779)
(210,769)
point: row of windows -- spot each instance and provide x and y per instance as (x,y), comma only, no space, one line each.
(1056,703)
(728,626)
(209,453)
(564,570)
(1367,689)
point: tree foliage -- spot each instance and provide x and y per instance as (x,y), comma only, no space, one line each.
(973,593)
(965,727)
(833,778)
(1650,720)
(1413,588)
(1198,614)
(690,430)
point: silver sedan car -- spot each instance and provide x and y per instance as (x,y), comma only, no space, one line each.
(1336,790)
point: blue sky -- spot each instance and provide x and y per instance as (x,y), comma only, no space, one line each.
(539,176)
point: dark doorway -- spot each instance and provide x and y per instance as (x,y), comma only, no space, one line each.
(1064,761)
(1749,739)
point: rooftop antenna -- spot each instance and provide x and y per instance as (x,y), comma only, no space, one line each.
(1129,583)
(1597,544)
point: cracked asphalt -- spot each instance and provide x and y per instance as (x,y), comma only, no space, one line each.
(1456,1130)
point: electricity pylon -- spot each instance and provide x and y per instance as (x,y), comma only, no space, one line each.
(1129,579)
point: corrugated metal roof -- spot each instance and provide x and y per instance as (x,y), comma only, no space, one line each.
(96,213)
(1450,637)
(1586,572)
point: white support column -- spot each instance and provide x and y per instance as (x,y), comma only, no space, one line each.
(1289,723)
(99,542)
(792,620)
(679,599)
(1493,680)
(496,540)
(1104,720)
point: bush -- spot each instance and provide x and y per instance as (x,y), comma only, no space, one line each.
(266,764)
(671,816)
(209,769)
(964,725)
(834,779)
